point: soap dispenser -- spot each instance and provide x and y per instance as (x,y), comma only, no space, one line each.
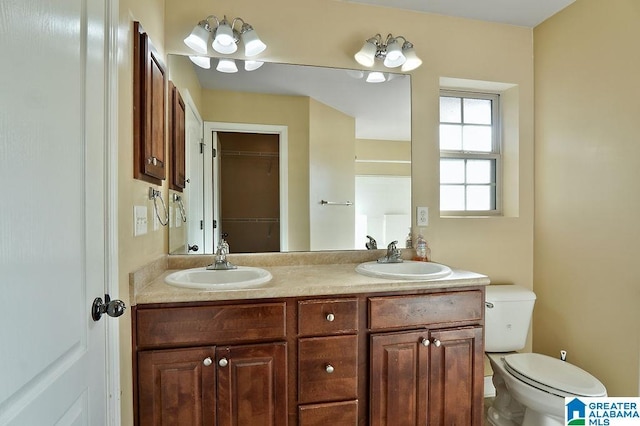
(409,240)
(423,252)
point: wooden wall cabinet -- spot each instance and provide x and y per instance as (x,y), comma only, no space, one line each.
(148,110)
(178,173)
(395,359)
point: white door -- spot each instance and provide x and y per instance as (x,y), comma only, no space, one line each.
(195,187)
(53,220)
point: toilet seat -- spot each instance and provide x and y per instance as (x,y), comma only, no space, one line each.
(553,375)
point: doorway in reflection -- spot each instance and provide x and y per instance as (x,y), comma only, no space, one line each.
(249,187)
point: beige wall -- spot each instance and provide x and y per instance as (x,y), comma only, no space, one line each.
(134,252)
(383,157)
(331,177)
(290,111)
(587,65)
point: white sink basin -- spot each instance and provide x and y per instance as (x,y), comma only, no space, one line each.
(407,270)
(203,279)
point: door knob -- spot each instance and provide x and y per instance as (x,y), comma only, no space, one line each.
(207,361)
(223,362)
(437,343)
(113,308)
(425,342)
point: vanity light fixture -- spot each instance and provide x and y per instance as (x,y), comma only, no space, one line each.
(227,65)
(225,37)
(390,52)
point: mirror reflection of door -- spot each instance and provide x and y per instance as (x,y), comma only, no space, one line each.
(249,191)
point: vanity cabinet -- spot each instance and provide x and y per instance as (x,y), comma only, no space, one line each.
(396,358)
(431,374)
(327,362)
(225,376)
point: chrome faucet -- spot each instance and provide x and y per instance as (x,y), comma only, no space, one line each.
(393,254)
(371,244)
(221,262)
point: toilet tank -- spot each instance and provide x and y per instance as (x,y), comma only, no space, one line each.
(508,311)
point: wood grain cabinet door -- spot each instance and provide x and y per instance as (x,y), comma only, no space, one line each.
(399,379)
(456,378)
(252,385)
(177,387)
(148,110)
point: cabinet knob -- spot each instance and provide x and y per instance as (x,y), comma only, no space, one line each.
(223,362)
(152,160)
(329,368)
(331,317)
(207,361)
(425,342)
(437,343)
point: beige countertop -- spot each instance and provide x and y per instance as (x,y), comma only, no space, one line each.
(298,280)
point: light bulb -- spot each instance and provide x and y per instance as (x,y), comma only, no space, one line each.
(366,56)
(227,65)
(252,65)
(201,61)
(252,43)
(198,38)
(394,57)
(224,40)
(412,61)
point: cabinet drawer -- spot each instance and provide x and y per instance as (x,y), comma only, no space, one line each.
(327,368)
(331,413)
(209,325)
(427,309)
(327,316)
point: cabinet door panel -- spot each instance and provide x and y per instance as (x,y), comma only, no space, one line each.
(456,377)
(399,377)
(252,385)
(317,382)
(176,387)
(331,413)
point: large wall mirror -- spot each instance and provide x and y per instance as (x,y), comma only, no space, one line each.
(291,158)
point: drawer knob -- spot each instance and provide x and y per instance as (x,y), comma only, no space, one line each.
(437,343)
(223,362)
(207,361)
(330,317)
(329,368)
(425,342)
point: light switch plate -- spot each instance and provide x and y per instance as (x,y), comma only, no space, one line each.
(422,216)
(139,220)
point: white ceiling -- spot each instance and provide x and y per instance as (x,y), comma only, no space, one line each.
(525,13)
(381,111)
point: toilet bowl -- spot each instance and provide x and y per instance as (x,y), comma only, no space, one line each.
(530,387)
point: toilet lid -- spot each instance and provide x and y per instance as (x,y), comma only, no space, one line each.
(553,375)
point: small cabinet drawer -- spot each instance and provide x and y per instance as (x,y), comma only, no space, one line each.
(427,309)
(209,325)
(327,316)
(332,413)
(327,368)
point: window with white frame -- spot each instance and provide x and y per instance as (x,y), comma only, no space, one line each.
(469,153)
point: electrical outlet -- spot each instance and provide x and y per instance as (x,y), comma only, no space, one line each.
(139,220)
(422,216)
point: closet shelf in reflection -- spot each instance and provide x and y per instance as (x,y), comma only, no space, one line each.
(252,219)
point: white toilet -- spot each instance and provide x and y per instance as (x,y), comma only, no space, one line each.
(530,387)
